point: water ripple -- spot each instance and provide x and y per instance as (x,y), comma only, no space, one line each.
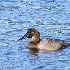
(50,17)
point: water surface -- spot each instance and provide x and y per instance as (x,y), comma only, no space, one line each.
(50,17)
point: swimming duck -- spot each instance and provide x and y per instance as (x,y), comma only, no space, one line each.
(47,44)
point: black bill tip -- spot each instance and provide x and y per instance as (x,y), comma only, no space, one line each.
(21,38)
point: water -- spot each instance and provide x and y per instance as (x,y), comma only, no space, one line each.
(50,17)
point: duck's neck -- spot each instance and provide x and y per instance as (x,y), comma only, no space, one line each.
(36,38)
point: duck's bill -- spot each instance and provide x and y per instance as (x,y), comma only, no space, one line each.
(23,37)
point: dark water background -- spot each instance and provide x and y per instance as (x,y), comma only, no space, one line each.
(50,17)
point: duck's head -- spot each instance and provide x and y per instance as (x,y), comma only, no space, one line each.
(31,33)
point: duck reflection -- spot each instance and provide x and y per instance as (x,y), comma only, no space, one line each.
(34,51)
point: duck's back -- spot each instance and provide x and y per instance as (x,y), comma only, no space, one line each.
(51,44)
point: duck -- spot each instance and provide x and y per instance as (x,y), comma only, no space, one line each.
(48,44)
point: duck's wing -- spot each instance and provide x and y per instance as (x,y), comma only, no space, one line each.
(51,44)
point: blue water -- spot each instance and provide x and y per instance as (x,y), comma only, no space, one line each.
(50,17)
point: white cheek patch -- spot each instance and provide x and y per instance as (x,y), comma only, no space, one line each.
(33,38)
